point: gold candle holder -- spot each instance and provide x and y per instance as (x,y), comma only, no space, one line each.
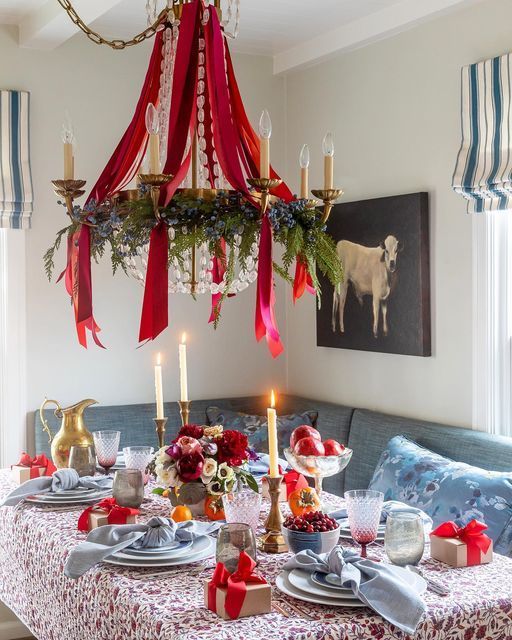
(69,190)
(184,411)
(264,186)
(273,541)
(154,181)
(328,197)
(160,430)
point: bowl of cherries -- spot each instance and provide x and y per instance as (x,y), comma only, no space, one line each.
(313,530)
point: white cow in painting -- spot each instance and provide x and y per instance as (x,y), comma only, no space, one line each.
(370,270)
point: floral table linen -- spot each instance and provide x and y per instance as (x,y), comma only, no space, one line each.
(111,603)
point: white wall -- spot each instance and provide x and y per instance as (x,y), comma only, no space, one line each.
(394,108)
(99,87)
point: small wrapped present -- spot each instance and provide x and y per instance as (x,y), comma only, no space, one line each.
(239,594)
(106,512)
(461,546)
(29,468)
(291,481)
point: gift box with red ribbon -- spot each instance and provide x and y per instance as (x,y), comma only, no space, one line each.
(291,481)
(239,594)
(461,546)
(29,468)
(106,512)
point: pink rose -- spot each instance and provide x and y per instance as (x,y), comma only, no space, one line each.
(189,445)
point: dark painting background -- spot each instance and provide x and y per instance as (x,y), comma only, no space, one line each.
(369,222)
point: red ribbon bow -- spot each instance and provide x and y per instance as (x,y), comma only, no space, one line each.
(472,535)
(293,480)
(236,584)
(115,513)
(35,464)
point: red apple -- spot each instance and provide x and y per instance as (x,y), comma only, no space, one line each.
(309,446)
(333,448)
(304,431)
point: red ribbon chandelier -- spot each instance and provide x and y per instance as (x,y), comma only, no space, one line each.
(191,122)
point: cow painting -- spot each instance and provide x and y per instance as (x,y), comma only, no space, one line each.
(383,303)
(370,271)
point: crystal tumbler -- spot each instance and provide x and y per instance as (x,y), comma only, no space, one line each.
(128,488)
(231,540)
(82,459)
(364,508)
(243,506)
(405,538)
(138,458)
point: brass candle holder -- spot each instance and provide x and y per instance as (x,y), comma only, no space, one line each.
(155,181)
(328,197)
(69,190)
(273,540)
(264,187)
(160,430)
(184,411)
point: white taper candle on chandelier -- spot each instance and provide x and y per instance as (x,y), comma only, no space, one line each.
(159,388)
(304,172)
(183,369)
(68,138)
(153,127)
(273,452)
(265,133)
(328,149)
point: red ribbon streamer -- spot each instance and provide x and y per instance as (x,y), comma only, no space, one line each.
(302,280)
(236,584)
(155,308)
(115,513)
(472,535)
(35,464)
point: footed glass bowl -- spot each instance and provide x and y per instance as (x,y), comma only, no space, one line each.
(318,467)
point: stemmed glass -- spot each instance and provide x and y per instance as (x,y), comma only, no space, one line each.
(106,444)
(364,508)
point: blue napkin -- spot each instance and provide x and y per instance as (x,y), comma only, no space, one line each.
(381,586)
(61,480)
(260,466)
(158,532)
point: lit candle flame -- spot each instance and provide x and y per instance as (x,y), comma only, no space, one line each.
(158,359)
(272,399)
(183,338)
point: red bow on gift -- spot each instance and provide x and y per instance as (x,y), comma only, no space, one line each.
(236,584)
(472,535)
(34,463)
(115,513)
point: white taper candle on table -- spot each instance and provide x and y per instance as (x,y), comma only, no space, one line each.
(183,369)
(159,388)
(272,438)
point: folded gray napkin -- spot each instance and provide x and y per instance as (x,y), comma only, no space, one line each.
(61,480)
(381,586)
(388,508)
(158,532)
(260,466)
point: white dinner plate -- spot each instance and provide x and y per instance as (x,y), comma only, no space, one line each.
(80,491)
(72,496)
(194,556)
(172,551)
(47,499)
(283,584)
(303,581)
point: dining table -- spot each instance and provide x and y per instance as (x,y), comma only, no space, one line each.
(122,603)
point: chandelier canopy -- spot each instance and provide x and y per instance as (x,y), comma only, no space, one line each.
(206,206)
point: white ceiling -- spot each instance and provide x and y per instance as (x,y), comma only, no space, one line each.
(294,32)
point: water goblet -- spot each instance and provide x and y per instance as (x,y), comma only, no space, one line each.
(364,508)
(243,506)
(128,488)
(404,539)
(138,458)
(232,539)
(106,444)
(82,459)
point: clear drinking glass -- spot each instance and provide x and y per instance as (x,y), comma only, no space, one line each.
(138,458)
(405,538)
(128,488)
(243,506)
(82,459)
(231,540)
(364,508)
(106,444)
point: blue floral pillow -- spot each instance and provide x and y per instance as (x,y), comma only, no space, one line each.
(255,427)
(445,489)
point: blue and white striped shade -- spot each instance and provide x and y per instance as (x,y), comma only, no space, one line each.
(16,197)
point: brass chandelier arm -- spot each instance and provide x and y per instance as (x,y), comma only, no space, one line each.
(115,43)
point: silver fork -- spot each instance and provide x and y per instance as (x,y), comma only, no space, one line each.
(433,585)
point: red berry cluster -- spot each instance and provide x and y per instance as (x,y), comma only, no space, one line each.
(312,522)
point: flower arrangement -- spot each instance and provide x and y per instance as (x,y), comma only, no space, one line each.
(203,462)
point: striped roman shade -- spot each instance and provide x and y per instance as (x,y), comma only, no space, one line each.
(483,173)
(15,178)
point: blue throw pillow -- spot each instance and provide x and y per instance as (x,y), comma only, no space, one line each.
(445,489)
(255,427)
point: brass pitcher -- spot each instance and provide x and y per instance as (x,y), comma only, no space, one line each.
(72,430)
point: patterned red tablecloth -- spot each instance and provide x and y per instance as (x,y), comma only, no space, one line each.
(109,603)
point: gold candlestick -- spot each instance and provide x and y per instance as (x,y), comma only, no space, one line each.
(184,411)
(328,197)
(273,541)
(160,430)
(264,186)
